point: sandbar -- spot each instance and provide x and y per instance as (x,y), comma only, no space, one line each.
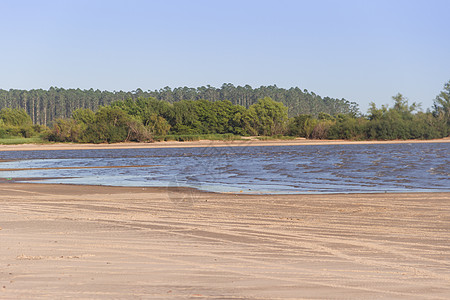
(97,242)
(246,142)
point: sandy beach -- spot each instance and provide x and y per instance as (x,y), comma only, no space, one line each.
(247,142)
(91,242)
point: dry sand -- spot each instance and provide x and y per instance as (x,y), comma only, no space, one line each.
(85,242)
(246,142)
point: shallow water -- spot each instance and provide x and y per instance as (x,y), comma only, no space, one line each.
(269,169)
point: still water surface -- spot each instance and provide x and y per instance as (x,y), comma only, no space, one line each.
(423,167)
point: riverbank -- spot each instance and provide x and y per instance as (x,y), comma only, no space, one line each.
(94,242)
(206,143)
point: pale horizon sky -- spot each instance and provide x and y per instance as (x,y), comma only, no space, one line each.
(362,51)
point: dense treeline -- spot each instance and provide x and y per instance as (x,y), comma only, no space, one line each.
(44,106)
(401,121)
(146,119)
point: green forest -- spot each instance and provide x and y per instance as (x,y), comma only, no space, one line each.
(45,106)
(230,112)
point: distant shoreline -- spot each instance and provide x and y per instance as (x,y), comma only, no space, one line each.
(206,143)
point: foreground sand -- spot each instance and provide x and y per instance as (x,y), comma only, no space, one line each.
(87,242)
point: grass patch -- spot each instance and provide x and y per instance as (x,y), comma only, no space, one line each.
(276,137)
(197,137)
(220,137)
(21,140)
(216,137)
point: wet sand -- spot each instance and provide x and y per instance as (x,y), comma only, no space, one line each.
(247,142)
(85,242)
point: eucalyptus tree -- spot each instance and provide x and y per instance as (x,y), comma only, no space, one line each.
(442,103)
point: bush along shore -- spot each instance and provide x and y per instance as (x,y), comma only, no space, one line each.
(149,119)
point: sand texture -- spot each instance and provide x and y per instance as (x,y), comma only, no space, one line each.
(246,142)
(83,242)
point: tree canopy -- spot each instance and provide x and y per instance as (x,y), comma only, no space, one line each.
(44,106)
(147,118)
(442,104)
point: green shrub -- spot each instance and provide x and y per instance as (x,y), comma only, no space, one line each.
(320,131)
(3,132)
(302,126)
(188,138)
(64,131)
(348,128)
(15,117)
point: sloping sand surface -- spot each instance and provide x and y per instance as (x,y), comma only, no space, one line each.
(246,142)
(83,242)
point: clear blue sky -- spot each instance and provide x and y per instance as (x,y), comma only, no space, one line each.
(358,50)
